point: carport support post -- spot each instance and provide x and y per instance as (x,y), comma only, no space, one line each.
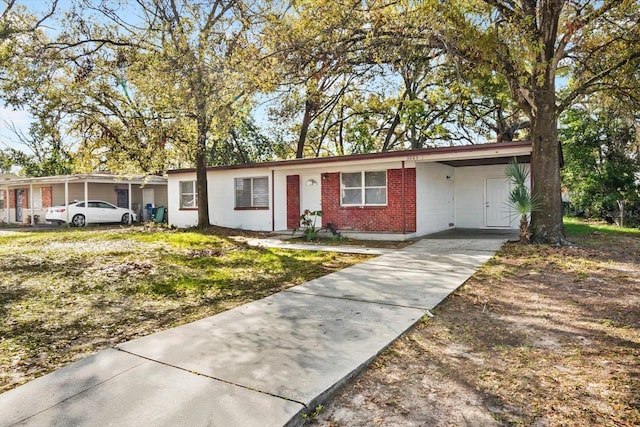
(130,216)
(86,202)
(7,206)
(33,219)
(66,199)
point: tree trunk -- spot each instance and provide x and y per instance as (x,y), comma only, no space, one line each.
(304,128)
(621,207)
(524,229)
(340,143)
(392,129)
(201,173)
(546,221)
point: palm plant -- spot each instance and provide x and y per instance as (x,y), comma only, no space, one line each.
(521,200)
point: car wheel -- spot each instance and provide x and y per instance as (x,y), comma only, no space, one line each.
(125,218)
(78,220)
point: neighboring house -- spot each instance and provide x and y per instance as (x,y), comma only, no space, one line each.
(4,198)
(25,200)
(391,195)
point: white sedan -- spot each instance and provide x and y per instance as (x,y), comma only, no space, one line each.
(96,212)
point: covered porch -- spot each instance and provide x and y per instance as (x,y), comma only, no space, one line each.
(25,200)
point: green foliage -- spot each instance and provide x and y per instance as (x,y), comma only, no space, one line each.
(601,160)
(6,161)
(521,200)
(308,222)
(176,89)
(43,153)
(245,143)
(54,163)
(312,415)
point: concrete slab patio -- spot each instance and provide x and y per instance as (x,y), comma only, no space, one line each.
(264,363)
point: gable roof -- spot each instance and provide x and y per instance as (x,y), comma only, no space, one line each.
(466,155)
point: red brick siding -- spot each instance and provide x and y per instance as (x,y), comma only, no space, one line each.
(391,218)
(25,198)
(47,197)
(293,201)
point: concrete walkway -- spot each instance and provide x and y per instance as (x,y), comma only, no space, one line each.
(261,364)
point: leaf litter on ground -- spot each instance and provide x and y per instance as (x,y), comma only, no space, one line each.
(66,294)
(539,336)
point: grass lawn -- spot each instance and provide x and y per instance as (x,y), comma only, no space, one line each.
(67,293)
(539,336)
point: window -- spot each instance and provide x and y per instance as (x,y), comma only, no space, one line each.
(188,195)
(252,192)
(1,199)
(103,205)
(364,188)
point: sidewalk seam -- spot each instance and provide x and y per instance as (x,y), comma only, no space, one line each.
(210,377)
(291,290)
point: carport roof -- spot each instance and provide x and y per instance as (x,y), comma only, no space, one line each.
(89,177)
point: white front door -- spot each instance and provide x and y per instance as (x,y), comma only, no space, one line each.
(310,193)
(497,211)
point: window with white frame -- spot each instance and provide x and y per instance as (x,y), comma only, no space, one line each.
(188,194)
(1,199)
(252,192)
(364,188)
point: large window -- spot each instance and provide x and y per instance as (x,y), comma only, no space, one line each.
(364,188)
(188,195)
(252,192)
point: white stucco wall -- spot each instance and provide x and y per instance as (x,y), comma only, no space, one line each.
(181,218)
(435,203)
(222,194)
(222,210)
(470,195)
(440,201)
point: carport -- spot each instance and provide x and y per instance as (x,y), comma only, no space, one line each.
(27,199)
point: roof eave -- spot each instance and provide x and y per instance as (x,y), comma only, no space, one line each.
(503,149)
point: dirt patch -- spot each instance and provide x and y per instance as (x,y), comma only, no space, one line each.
(540,336)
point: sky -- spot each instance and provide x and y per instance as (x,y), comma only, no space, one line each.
(21,120)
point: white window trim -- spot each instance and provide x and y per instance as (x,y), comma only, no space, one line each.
(195,193)
(252,178)
(363,189)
